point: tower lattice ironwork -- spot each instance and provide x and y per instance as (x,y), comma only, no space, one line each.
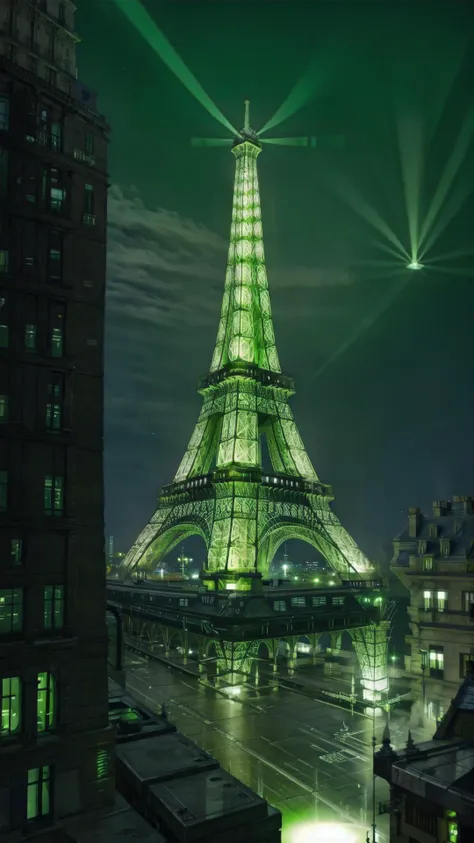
(220,490)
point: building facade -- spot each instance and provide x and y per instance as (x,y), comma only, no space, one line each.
(434,559)
(56,747)
(431,784)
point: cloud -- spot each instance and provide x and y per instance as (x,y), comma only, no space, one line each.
(165,284)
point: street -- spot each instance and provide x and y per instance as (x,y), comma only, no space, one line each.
(282,744)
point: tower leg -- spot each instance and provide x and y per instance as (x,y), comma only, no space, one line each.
(371,646)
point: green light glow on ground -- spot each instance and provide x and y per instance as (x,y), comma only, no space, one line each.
(415,265)
(146,26)
(321,832)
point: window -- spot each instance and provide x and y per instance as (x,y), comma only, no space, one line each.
(54,406)
(466,664)
(89,143)
(319,601)
(3,336)
(338,601)
(56,137)
(3,171)
(30,337)
(53,495)
(441,600)
(3,491)
(298,601)
(46,703)
(56,199)
(11,706)
(453,831)
(421,547)
(102,765)
(4,261)
(428,563)
(183,601)
(16,551)
(445,547)
(55,257)
(436,662)
(433,529)
(38,802)
(51,77)
(3,408)
(427,600)
(4,114)
(467,600)
(53,606)
(57,329)
(88,217)
(11,610)
(279,605)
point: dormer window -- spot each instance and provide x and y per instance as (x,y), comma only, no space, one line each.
(433,531)
(445,547)
(428,563)
(421,548)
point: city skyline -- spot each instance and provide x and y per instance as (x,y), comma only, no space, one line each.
(381,409)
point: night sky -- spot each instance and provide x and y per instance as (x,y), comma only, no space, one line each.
(389,421)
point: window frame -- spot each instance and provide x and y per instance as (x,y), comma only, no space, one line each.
(47,719)
(54,607)
(16,596)
(11,695)
(39,779)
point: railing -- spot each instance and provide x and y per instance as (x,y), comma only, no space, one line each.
(84,157)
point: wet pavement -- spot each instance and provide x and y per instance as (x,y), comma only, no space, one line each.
(281,743)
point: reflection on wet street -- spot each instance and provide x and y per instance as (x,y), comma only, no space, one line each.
(283,744)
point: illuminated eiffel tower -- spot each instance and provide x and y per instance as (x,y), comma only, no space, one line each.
(220,490)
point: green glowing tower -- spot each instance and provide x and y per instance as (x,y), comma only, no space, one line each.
(220,490)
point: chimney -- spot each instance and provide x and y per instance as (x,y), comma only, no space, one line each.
(441,508)
(463,504)
(415,520)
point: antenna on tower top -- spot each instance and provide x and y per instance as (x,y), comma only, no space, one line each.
(247,115)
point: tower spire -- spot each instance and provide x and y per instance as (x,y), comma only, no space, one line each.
(247,115)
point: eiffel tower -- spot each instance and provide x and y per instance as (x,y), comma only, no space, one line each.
(220,491)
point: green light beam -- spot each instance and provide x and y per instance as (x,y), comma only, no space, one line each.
(314,81)
(349,194)
(204,142)
(288,141)
(450,270)
(445,80)
(366,323)
(146,26)
(410,145)
(379,263)
(452,207)
(450,171)
(388,249)
(449,256)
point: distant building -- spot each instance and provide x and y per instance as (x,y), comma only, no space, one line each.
(56,746)
(431,784)
(434,559)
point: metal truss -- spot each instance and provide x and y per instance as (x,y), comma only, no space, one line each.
(220,491)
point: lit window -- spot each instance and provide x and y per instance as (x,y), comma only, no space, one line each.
(3,336)
(279,606)
(319,601)
(468,600)
(4,114)
(338,601)
(30,337)
(53,606)
(436,660)
(428,563)
(4,260)
(53,495)
(56,199)
(298,601)
(11,610)
(3,491)
(427,600)
(11,705)
(38,803)
(46,703)
(3,408)
(453,830)
(183,601)
(441,599)
(16,551)
(57,342)
(102,764)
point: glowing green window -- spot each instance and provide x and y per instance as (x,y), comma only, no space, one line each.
(30,337)
(53,416)
(46,703)
(102,764)
(38,802)
(3,408)
(11,610)
(53,606)
(16,551)
(11,706)
(453,830)
(57,342)
(53,495)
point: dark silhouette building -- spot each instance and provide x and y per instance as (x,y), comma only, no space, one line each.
(56,745)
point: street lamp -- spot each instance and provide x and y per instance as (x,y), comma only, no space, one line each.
(285,569)
(424,662)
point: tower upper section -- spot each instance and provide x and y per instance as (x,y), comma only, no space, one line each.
(245,331)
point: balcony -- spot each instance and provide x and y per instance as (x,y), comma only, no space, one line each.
(88,219)
(84,157)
